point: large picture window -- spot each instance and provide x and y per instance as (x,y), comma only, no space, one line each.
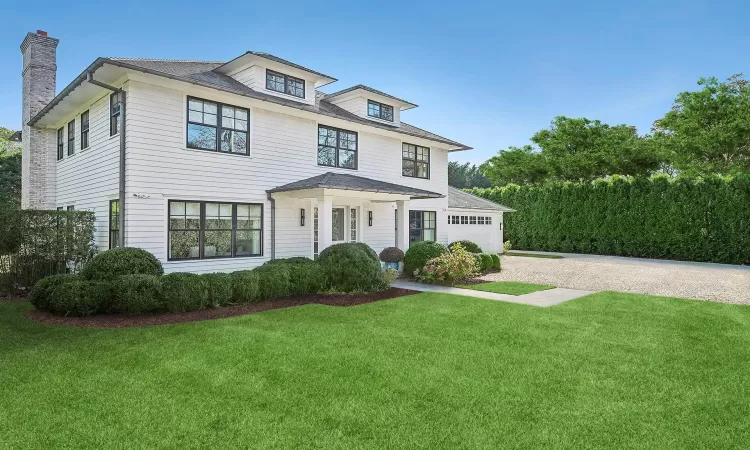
(422,226)
(337,148)
(285,84)
(416,161)
(204,230)
(217,127)
(379,110)
(71,137)
(114,223)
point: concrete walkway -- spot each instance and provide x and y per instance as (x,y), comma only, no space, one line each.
(548,297)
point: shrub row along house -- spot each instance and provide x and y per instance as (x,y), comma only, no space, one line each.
(223,165)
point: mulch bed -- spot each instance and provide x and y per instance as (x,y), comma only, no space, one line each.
(124,321)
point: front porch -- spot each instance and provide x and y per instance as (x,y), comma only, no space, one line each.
(334,208)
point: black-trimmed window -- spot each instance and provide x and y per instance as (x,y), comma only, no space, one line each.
(70,208)
(379,110)
(60,143)
(480,220)
(464,220)
(472,220)
(488,220)
(84,129)
(217,127)
(422,226)
(285,84)
(115,110)
(337,148)
(114,223)
(205,230)
(415,161)
(71,137)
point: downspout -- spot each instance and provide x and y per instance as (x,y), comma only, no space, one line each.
(273,224)
(121,197)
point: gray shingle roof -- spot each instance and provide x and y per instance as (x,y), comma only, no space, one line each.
(282,61)
(201,73)
(461,199)
(331,180)
(369,89)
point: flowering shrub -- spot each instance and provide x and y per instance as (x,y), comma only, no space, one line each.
(507,246)
(449,268)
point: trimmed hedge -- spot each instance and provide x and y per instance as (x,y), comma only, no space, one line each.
(219,287)
(113,263)
(419,253)
(138,294)
(692,220)
(81,298)
(292,260)
(485,262)
(351,267)
(273,281)
(245,286)
(495,261)
(469,246)
(41,293)
(184,292)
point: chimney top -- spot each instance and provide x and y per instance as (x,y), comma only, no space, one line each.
(41,33)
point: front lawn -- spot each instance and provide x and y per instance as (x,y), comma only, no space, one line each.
(508,287)
(425,371)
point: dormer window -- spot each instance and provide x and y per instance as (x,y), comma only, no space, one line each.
(379,111)
(285,84)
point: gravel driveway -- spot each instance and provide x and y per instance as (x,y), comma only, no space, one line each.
(716,282)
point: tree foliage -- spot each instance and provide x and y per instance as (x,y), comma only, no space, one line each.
(519,165)
(707,132)
(466,176)
(684,219)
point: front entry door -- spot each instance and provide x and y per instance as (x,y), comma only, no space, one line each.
(338,225)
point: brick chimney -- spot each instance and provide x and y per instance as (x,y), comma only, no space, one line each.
(38,156)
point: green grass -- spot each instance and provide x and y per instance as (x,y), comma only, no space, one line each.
(534,255)
(426,371)
(508,287)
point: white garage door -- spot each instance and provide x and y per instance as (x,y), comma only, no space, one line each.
(481,227)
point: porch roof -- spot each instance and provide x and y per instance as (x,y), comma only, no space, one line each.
(346,182)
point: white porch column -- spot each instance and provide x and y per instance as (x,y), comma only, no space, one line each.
(402,222)
(325,229)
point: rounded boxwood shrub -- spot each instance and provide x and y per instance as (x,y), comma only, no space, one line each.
(40,294)
(292,260)
(136,294)
(184,292)
(219,287)
(370,252)
(245,286)
(485,261)
(81,298)
(419,253)
(306,278)
(351,267)
(113,263)
(467,245)
(274,281)
(392,255)
(495,261)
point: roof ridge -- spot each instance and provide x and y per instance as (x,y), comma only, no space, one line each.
(118,58)
(327,176)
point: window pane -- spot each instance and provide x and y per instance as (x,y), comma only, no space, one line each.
(337,223)
(326,156)
(386,112)
(347,140)
(233,141)
(240,114)
(184,244)
(201,136)
(423,154)
(409,151)
(218,216)
(195,116)
(347,159)
(217,243)
(353,224)
(422,170)
(408,168)
(295,87)
(373,109)
(195,105)
(247,243)
(429,235)
(326,136)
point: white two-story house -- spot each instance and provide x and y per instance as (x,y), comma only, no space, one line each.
(223,165)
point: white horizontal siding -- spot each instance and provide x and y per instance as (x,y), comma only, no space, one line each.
(488,237)
(89,178)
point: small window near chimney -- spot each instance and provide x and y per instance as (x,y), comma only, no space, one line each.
(60,144)
(84,130)
(71,137)
(115,109)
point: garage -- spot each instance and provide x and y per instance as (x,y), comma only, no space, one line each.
(475,219)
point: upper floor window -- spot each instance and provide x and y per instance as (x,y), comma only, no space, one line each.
(217,127)
(60,144)
(416,161)
(84,130)
(337,148)
(285,84)
(379,110)
(115,110)
(71,137)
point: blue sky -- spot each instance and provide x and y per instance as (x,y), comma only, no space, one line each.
(488,74)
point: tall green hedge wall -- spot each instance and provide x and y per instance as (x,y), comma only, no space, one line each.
(690,220)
